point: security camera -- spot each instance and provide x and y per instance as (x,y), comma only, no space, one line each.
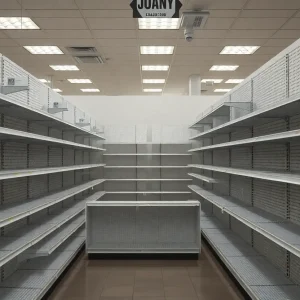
(188,34)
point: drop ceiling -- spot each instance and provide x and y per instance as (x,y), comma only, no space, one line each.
(108,26)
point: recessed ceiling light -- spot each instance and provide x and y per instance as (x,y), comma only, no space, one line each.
(44,80)
(159,23)
(155,68)
(239,49)
(212,80)
(223,68)
(168,50)
(152,90)
(90,90)
(17,23)
(154,81)
(234,80)
(43,49)
(80,80)
(57,90)
(222,90)
(64,67)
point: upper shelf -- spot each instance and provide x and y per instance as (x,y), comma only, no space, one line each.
(147,154)
(146,167)
(26,137)
(271,138)
(279,111)
(284,177)
(222,110)
(144,203)
(203,178)
(25,112)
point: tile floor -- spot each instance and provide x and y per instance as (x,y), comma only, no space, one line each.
(146,280)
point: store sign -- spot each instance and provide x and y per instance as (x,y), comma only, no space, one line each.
(156,8)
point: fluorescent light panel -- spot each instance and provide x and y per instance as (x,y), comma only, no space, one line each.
(222,90)
(17,23)
(152,90)
(44,81)
(80,80)
(43,49)
(64,67)
(159,23)
(223,68)
(244,50)
(212,80)
(57,90)
(155,81)
(155,68)
(234,80)
(167,50)
(90,90)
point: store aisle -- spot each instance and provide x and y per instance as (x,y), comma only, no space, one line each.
(146,280)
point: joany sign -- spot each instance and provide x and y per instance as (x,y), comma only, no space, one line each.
(156,8)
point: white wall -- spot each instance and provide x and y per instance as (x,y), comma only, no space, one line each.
(135,110)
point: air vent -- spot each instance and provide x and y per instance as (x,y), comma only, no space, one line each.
(89,59)
(82,50)
(194,19)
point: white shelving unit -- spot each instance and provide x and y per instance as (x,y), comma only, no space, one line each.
(247,177)
(50,166)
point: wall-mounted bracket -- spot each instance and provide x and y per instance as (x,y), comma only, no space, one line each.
(83,123)
(14,85)
(58,108)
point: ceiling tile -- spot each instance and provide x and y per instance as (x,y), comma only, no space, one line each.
(56,42)
(286,34)
(219,23)
(11,4)
(208,34)
(156,59)
(25,34)
(252,34)
(297,15)
(117,42)
(273,4)
(266,13)
(268,50)
(159,34)
(198,50)
(61,23)
(4,35)
(279,42)
(259,23)
(200,43)
(224,13)
(292,24)
(243,42)
(113,23)
(216,4)
(13,50)
(104,4)
(68,34)
(50,13)
(114,34)
(8,43)
(105,13)
(46,4)
(157,42)
(121,50)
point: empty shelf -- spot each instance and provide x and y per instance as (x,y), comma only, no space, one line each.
(146,192)
(34,278)
(146,167)
(27,137)
(257,276)
(274,138)
(265,175)
(53,241)
(147,179)
(147,154)
(203,178)
(144,203)
(12,213)
(8,174)
(278,230)
(26,112)
(289,108)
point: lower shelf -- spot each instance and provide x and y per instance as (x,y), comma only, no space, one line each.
(260,279)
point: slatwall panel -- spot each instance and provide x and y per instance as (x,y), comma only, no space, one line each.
(295,122)
(221,157)
(68,157)
(294,72)
(14,155)
(221,139)
(270,157)
(295,156)
(270,196)
(14,123)
(241,157)
(222,186)
(222,216)
(241,134)
(207,142)
(38,94)
(295,204)
(241,189)
(70,136)
(14,190)
(38,156)
(295,268)
(55,157)
(9,268)
(274,253)
(37,186)
(269,87)
(270,127)
(86,157)
(55,182)
(208,157)
(55,133)
(241,230)
(78,157)
(68,179)
(37,128)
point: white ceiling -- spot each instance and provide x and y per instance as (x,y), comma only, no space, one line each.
(108,25)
